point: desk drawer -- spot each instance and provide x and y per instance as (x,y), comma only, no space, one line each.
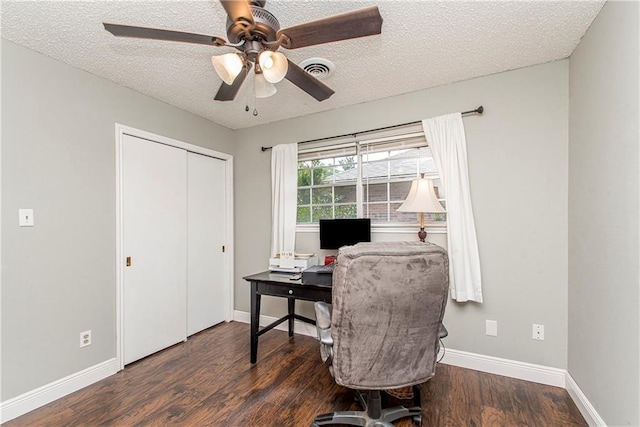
(297,292)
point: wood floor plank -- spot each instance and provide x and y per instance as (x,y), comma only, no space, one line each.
(465,390)
(209,381)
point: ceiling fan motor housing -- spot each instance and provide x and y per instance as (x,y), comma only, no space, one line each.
(266,27)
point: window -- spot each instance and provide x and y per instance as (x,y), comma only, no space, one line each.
(327,188)
(363,179)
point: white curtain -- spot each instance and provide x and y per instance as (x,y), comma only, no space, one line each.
(284,189)
(445,136)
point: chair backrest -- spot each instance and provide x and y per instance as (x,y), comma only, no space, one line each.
(388,302)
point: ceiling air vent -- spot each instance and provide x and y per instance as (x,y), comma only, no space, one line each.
(319,68)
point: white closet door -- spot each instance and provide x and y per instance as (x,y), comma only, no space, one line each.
(206,212)
(154,180)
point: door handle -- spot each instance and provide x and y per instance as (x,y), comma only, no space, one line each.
(128,261)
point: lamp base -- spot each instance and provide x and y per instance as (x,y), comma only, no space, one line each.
(422,234)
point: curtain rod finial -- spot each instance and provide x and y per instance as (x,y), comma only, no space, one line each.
(480,110)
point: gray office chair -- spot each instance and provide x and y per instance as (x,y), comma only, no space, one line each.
(384,329)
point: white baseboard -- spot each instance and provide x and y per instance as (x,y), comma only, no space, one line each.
(34,399)
(506,367)
(585,407)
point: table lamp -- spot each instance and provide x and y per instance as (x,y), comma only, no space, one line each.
(421,199)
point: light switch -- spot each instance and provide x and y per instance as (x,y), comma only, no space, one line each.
(25,217)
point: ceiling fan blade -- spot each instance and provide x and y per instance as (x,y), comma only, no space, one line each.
(350,25)
(307,82)
(238,10)
(229,92)
(159,34)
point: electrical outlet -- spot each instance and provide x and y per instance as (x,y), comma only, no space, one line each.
(538,332)
(85,338)
(491,327)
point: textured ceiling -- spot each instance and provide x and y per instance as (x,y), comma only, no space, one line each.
(423,44)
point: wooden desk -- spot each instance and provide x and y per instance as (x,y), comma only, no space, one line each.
(280,285)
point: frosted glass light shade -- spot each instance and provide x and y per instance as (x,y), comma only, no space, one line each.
(228,66)
(262,88)
(421,198)
(274,65)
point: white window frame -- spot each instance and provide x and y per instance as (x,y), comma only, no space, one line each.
(405,138)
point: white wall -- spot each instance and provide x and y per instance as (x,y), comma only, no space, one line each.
(58,157)
(518,168)
(604,285)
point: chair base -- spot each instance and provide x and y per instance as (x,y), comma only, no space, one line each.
(373,414)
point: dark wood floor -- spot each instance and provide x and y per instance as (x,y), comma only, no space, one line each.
(209,381)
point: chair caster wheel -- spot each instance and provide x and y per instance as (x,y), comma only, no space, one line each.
(417,420)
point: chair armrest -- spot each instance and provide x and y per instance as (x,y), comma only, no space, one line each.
(323,315)
(323,322)
(443,331)
(323,327)
(324,336)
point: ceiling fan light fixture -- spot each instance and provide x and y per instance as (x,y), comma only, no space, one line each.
(262,87)
(256,33)
(228,66)
(274,65)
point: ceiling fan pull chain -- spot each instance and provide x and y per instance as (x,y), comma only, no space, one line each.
(255,101)
(246,108)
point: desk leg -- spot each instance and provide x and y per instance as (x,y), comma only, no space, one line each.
(292,311)
(255,321)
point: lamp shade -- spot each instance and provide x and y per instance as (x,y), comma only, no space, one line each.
(262,88)
(228,66)
(421,198)
(274,65)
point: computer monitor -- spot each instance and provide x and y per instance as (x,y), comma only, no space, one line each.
(335,233)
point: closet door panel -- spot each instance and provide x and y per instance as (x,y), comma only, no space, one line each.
(154,212)
(206,224)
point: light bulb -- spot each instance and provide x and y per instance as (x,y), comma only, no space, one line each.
(267,63)
(274,65)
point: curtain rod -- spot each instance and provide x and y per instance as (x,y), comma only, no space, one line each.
(478,110)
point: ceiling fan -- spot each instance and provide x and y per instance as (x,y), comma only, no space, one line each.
(256,34)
